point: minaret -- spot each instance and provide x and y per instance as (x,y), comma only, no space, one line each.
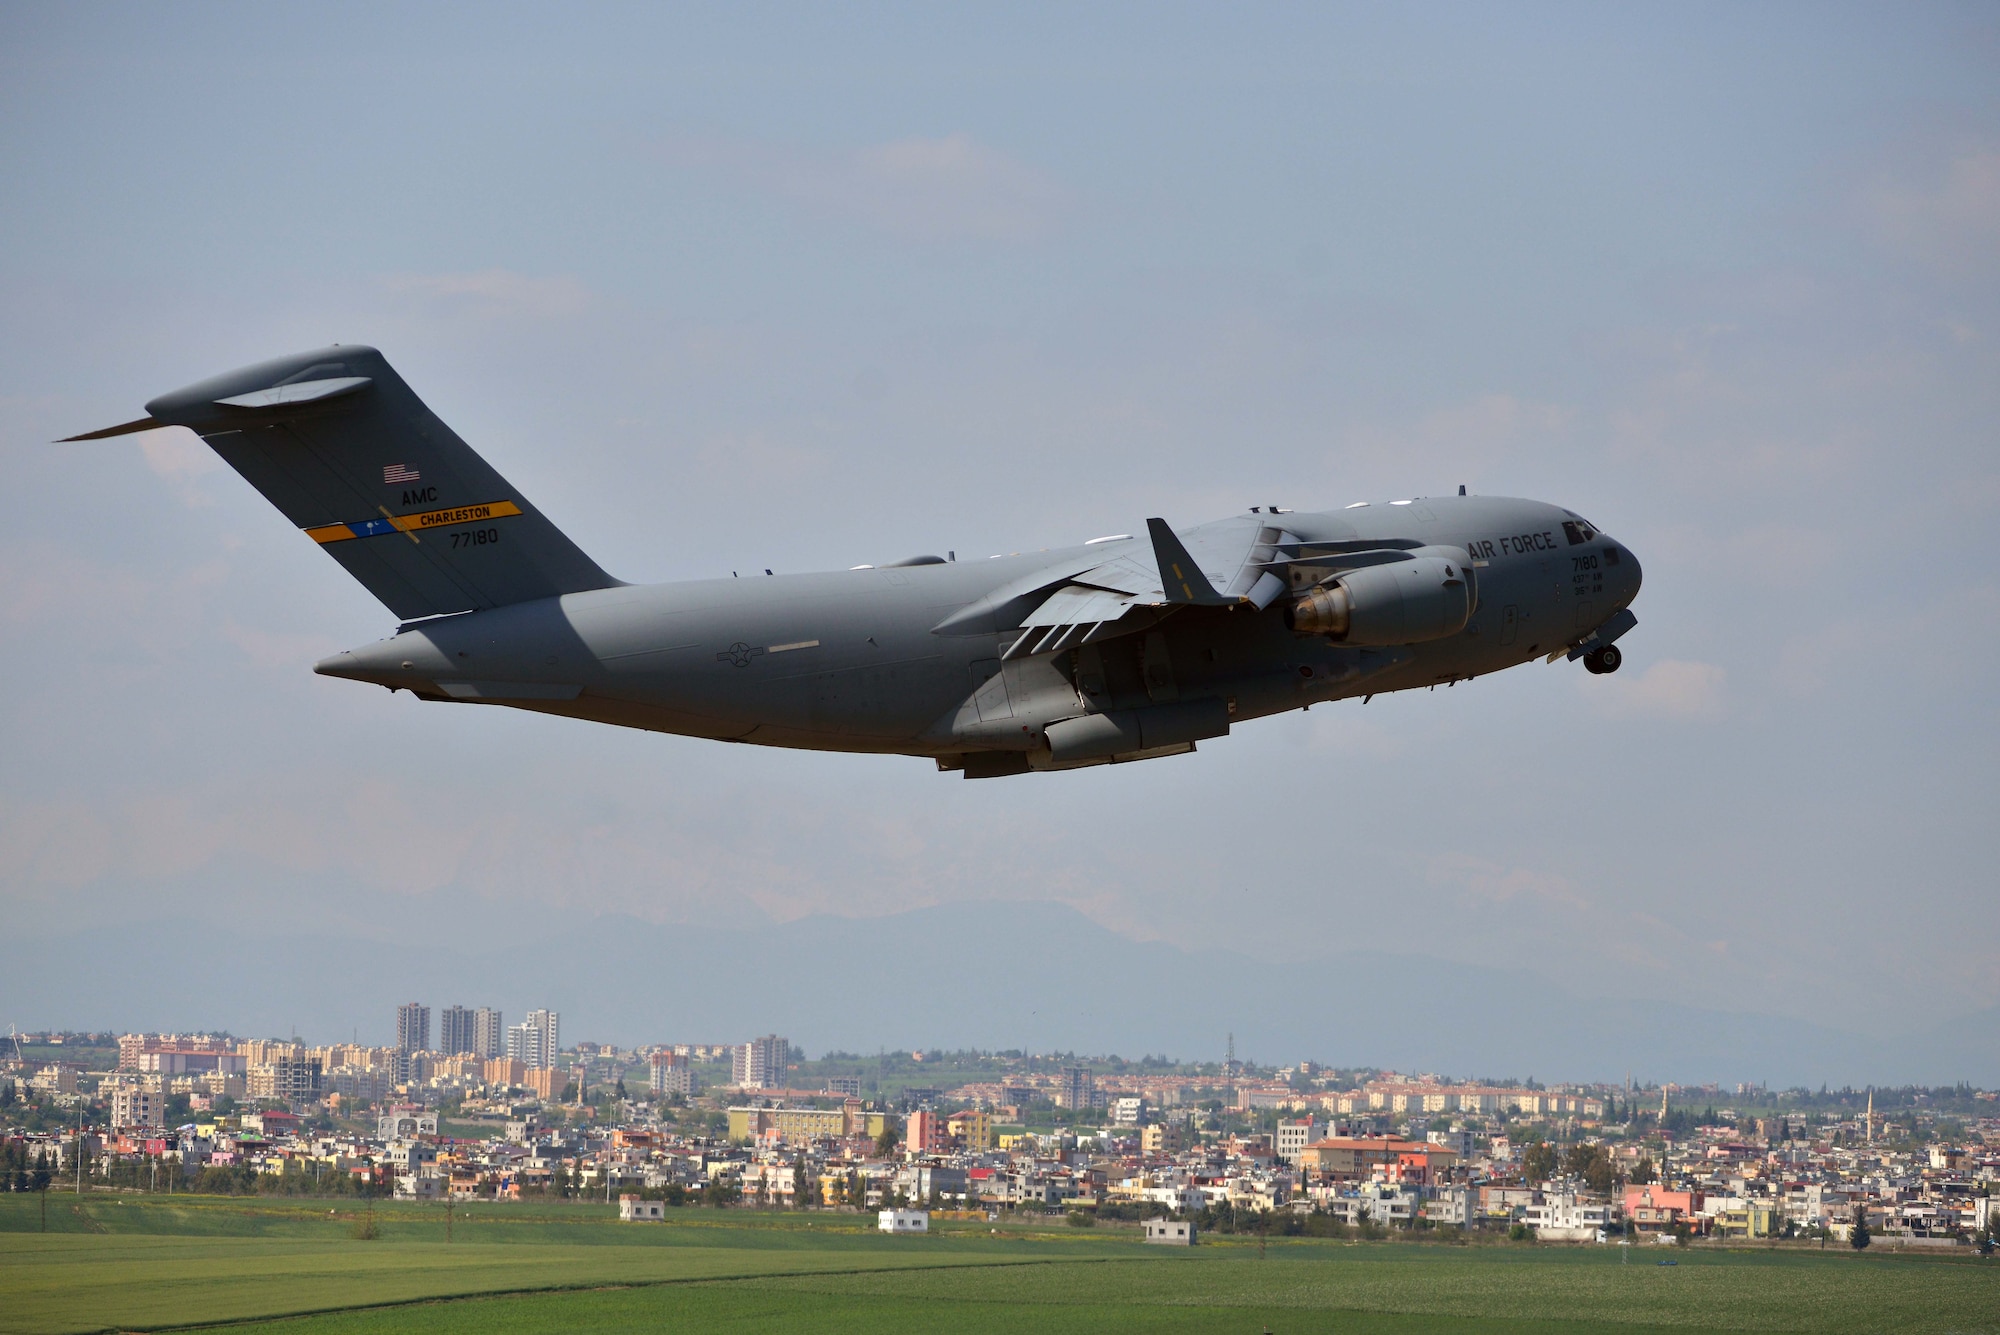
(1871,1114)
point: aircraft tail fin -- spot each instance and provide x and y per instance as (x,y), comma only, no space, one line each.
(347,451)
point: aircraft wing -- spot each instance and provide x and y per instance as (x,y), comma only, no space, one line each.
(1223,564)
(1245,560)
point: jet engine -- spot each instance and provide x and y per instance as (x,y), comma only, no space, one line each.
(1404,602)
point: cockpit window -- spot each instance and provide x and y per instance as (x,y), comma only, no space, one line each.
(1611,556)
(1578,531)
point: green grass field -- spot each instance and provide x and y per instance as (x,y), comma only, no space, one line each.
(152,1263)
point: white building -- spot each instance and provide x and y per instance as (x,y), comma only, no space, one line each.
(904,1221)
(1561,1217)
(761,1063)
(410,1156)
(1458,1142)
(631,1208)
(672,1074)
(413,1027)
(1180,1198)
(1385,1206)
(419,1187)
(1294,1134)
(1170,1232)
(1128,1110)
(536,1040)
(137,1104)
(55,1078)
(1452,1205)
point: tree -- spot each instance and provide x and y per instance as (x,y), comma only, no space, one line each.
(1857,1238)
(1539,1163)
(885,1144)
(1645,1172)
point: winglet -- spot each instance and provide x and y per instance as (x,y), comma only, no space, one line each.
(123,429)
(1180,578)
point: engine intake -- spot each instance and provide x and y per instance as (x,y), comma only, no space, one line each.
(1405,602)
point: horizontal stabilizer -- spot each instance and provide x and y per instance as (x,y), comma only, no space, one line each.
(301,391)
(123,429)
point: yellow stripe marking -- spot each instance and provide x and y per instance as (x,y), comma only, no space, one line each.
(409,524)
(464,514)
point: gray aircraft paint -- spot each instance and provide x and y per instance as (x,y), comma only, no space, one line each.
(1110,651)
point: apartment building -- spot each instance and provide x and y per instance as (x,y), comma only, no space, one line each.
(1294,1134)
(454,1030)
(413,1027)
(672,1074)
(537,1039)
(295,1080)
(761,1063)
(1076,1088)
(136,1104)
(489,1032)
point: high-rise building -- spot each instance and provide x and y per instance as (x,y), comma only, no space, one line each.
(455,1031)
(672,1074)
(489,1033)
(413,1027)
(295,1080)
(1076,1089)
(761,1063)
(536,1040)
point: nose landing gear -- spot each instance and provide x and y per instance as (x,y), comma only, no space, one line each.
(1601,661)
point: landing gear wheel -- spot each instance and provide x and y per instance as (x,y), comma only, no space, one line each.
(1603,660)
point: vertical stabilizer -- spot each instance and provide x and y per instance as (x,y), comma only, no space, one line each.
(351,455)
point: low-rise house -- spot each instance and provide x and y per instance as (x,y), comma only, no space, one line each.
(904,1221)
(1566,1217)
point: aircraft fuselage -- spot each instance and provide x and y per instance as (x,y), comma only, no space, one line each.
(849,660)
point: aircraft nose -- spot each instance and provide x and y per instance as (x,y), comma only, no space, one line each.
(1630,574)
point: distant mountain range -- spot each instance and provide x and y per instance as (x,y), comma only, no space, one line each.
(1039,976)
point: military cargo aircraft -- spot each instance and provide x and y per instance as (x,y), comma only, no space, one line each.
(1121,648)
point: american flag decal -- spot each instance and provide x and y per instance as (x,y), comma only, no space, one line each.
(396,474)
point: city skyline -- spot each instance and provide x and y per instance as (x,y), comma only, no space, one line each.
(1110,1002)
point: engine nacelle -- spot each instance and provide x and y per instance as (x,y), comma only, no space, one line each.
(1404,602)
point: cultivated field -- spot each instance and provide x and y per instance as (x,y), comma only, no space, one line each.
(142,1263)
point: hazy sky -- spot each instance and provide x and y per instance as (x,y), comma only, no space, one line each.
(739,286)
